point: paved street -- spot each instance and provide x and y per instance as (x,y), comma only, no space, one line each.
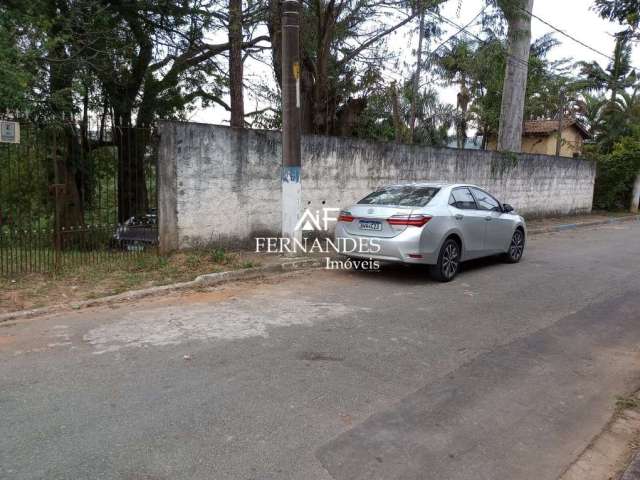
(506,373)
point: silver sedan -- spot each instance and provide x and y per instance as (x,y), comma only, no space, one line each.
(435,224)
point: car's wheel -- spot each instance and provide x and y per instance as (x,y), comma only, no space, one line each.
(448,262)
(516,247)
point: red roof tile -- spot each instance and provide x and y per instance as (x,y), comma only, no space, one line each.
(534,127)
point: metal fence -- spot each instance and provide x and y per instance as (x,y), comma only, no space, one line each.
(69,196)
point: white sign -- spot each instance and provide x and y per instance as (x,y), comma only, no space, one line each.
(9,132)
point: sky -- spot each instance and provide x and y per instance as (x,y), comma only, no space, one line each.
(574,17)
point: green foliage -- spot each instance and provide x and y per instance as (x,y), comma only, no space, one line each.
(218,255)
(16,63)
(26,176)
(618,75)
(479,66)
(615,119)
(617,171)
(626,12)
(433,118)
(629,402)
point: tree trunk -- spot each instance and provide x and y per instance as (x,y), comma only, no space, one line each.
(416,77)
(235,63)
(67,150)
(464,97)
(485,137)
(347,117)
(131,144)
(397,121)
(515,80)
(275,34)
(67,196)
(635,195)
(324,108)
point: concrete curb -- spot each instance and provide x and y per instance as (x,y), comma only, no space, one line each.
(211,279)
(206,280)
(593,223)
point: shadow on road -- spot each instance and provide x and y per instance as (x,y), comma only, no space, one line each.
(403,274)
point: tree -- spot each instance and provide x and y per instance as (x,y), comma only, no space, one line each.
(17,63)
(477,67)
(619,74)
(615,81)
(41,35)
(153,59)
(126,63)
(416,74)
(616,185)
(618,116)
(626,12)
(628,105)
(388,114)
(458,64)
(517,14)
(590,109)
(342,50)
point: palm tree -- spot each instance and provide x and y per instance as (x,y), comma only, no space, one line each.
(457,65)
(617,77)
(590,108)
(628,104)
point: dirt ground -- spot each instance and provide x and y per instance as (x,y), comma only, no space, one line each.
(147,270)
(108,278)
(535,223)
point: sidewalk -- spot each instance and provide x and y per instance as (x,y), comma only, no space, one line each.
(554,224)
(613,454)
(149,274)
(85,284)
(632,472)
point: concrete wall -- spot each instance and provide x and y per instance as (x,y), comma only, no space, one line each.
(223,185)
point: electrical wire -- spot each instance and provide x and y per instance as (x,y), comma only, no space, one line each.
(568,35)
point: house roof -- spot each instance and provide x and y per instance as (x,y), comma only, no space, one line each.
(543,127)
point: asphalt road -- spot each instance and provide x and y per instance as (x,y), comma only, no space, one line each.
(506,373)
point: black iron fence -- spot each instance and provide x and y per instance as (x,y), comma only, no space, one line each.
(70,196)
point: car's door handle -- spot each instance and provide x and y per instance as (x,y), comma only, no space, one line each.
(459,216)
(488,219)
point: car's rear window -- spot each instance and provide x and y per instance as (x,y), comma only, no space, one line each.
(406,196)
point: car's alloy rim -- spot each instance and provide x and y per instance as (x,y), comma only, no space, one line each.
(517,245)
(450,260)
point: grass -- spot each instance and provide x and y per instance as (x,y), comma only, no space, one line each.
(627,402)
(117,275)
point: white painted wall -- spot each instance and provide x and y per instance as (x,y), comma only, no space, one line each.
(228,187)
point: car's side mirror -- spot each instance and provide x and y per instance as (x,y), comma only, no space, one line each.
(506,208)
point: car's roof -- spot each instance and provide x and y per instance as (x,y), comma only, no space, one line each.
(429,184)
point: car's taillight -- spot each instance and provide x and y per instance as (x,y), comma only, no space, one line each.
(346,217)
(409,220)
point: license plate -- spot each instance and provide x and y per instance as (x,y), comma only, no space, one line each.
(370,225)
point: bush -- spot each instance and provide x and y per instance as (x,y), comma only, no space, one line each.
(616,174)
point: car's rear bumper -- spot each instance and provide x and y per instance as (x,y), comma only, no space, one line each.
(404,247)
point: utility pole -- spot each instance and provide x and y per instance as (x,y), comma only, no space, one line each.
(560,120)
(235,64)
(291,165)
